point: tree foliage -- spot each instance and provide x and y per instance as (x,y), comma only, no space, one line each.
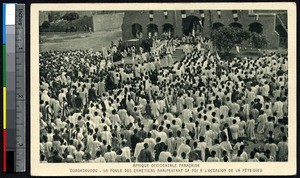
(241,35)
(53,16)
(71,16)
(225,38)
(45,24)
(258,41)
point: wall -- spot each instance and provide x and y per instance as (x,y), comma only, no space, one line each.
(268,22)
(174,18)
(142,18)
(107,21)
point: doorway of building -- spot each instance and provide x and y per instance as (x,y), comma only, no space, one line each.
(191,23)
(168,29)
(152,30)
(282,36)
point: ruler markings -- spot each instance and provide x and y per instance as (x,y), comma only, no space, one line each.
(20,89)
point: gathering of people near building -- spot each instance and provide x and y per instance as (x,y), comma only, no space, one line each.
(154,108)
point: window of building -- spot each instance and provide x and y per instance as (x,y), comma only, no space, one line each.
(236,25)
(256,27)
(136,30)
(217,25)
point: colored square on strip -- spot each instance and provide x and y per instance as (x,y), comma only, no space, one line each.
(4,107)
(10,14)
(4,64)
(3,24)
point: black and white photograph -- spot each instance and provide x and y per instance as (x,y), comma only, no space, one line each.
(176,86)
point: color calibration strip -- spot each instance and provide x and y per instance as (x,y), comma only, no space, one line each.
(14,117)
(10,86)
(4,84)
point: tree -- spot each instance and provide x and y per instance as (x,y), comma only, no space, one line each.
(241,35)
(45,25)
(71,16)
(225,38)
(53,16)
(258,41)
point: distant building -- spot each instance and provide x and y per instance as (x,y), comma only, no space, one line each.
(142,24)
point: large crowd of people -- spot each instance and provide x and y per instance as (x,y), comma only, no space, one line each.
(197,109)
